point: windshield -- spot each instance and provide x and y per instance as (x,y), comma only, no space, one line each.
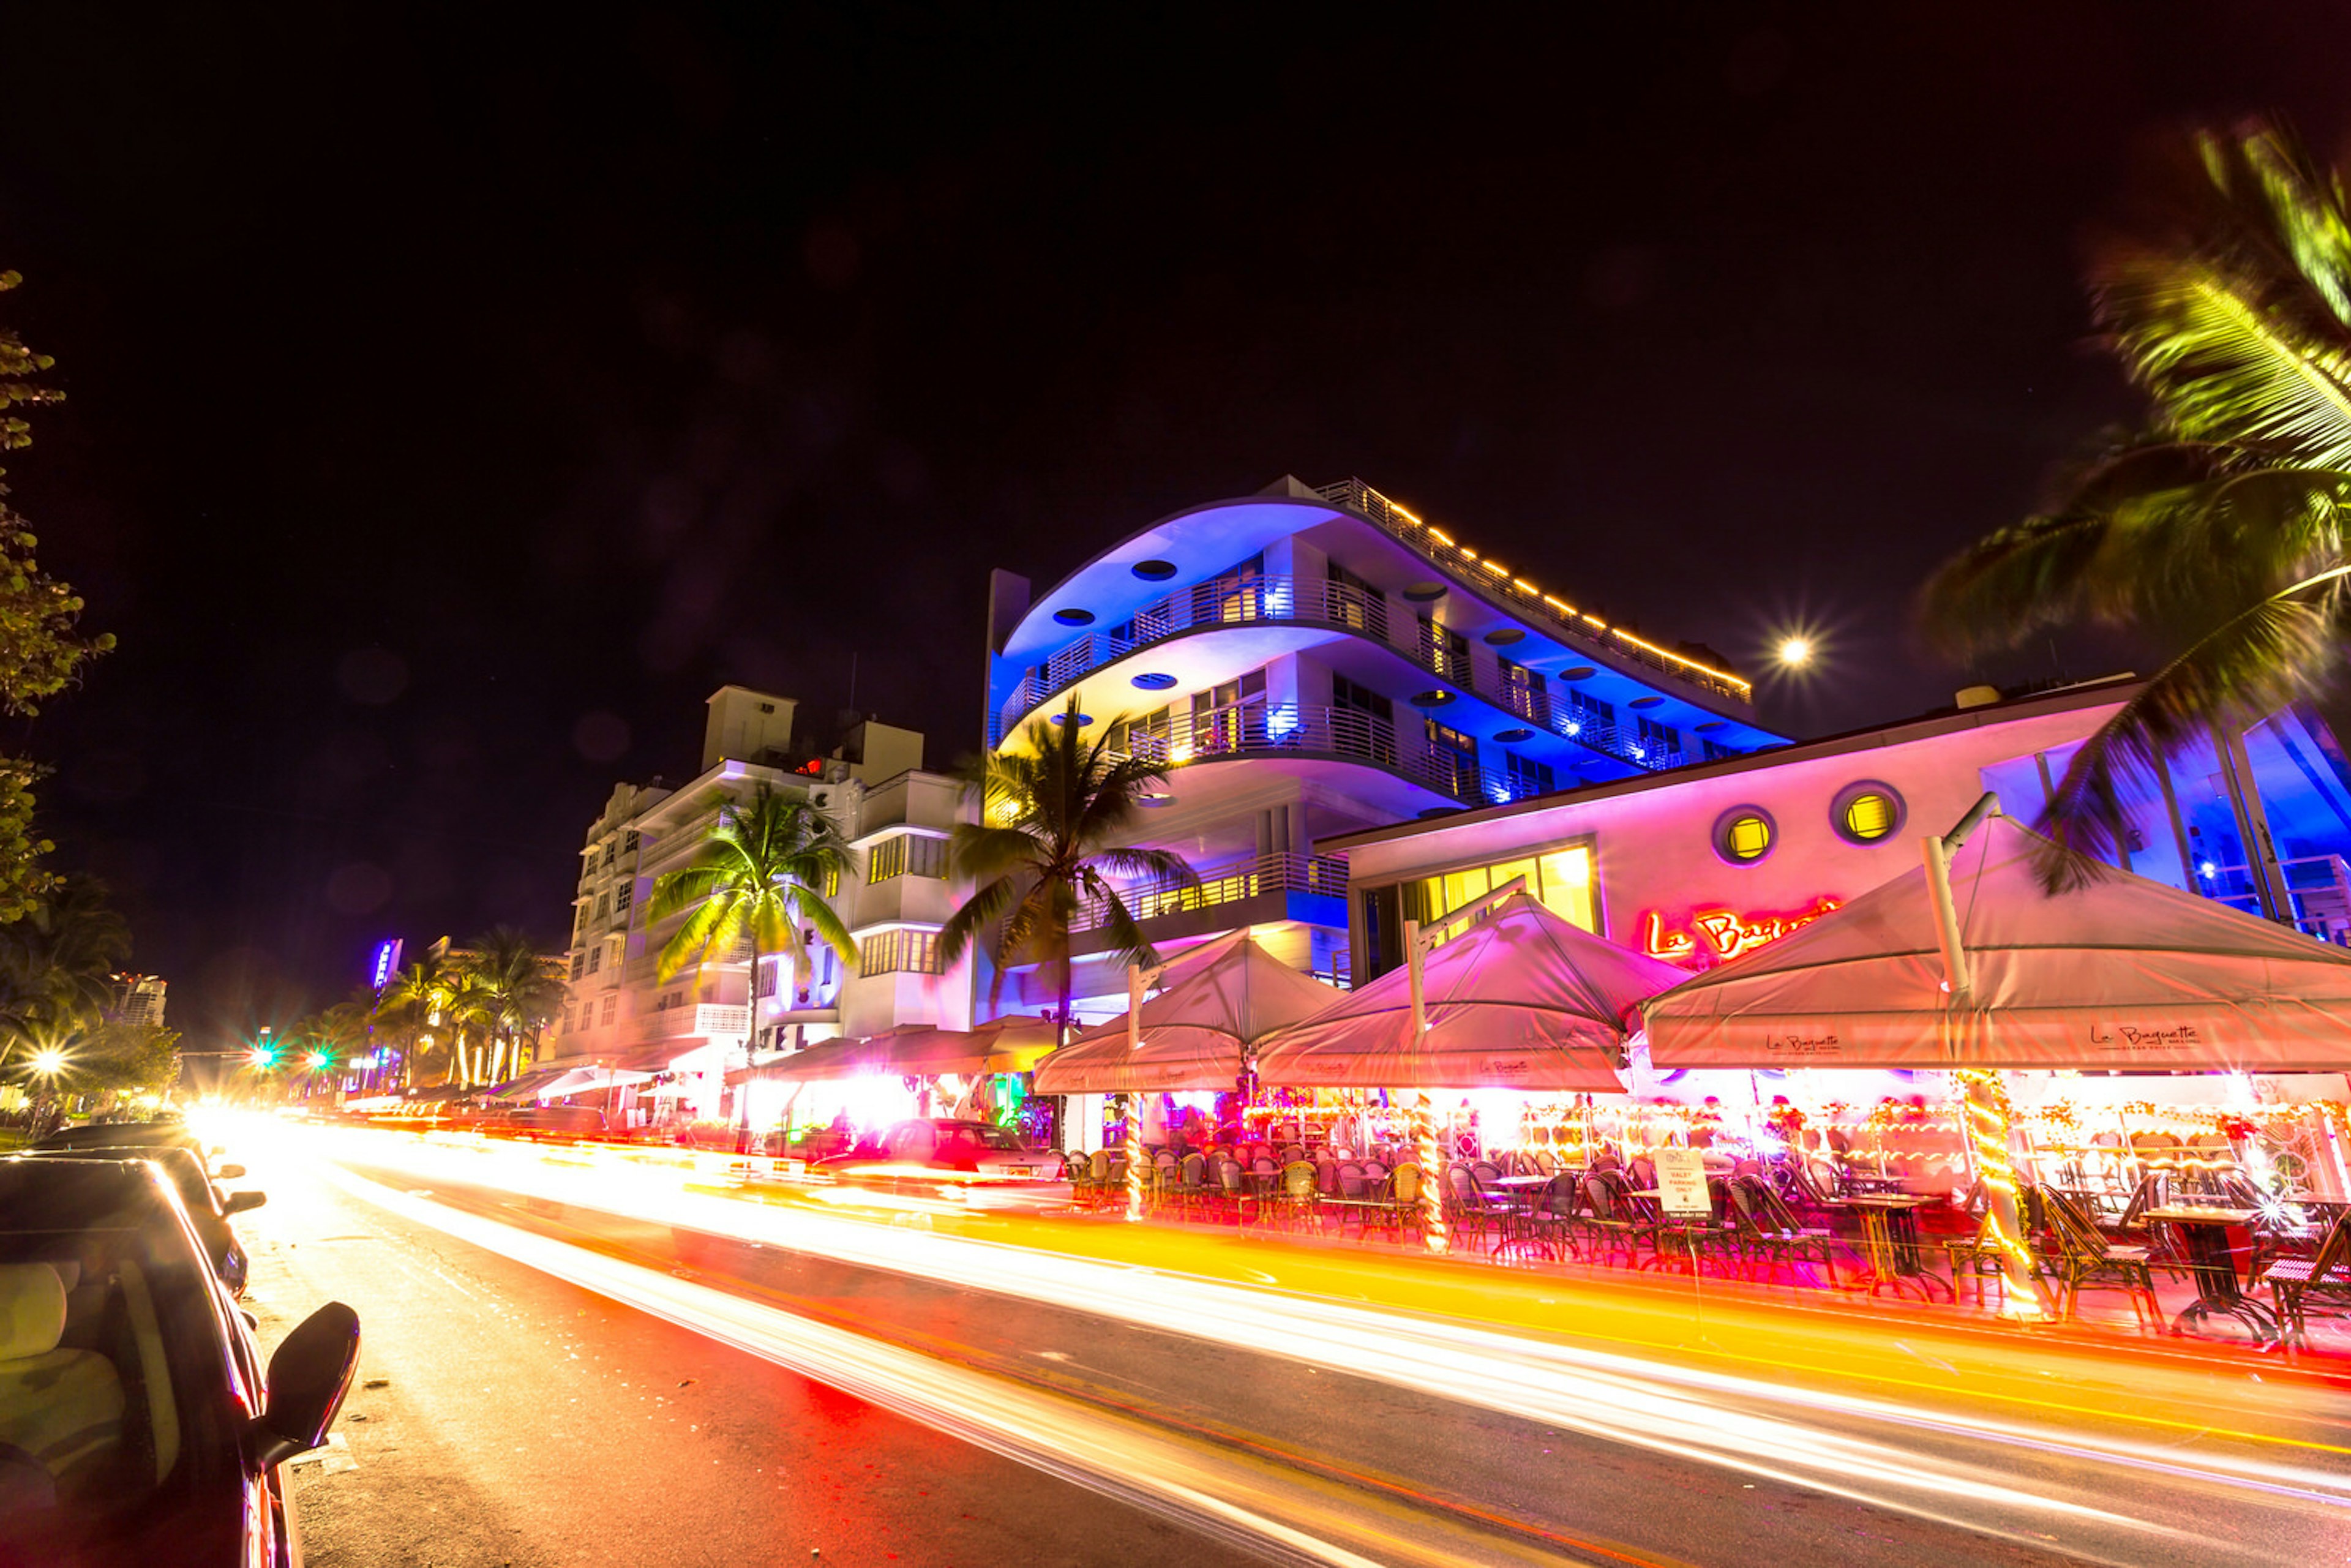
(116,1405)
(995,1137)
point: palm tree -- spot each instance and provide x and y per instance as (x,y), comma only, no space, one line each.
(2221,530)
(762,873)
(1050,815)
(56,962)
(514,995)
(416,999)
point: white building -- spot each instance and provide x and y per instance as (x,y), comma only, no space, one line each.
(135,1000)
(697,1023)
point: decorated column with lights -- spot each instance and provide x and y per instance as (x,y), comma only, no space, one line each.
(1424,1109)
(1138,979)
(1988,1118)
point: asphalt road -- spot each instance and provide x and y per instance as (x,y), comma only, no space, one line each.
(507,1417)
(530,1416)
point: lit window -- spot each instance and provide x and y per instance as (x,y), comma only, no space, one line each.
(887,860)
(1744,834)
(1561,881)
(900,952)
(1866,812)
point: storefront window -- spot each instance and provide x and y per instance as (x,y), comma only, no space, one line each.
(1561,881)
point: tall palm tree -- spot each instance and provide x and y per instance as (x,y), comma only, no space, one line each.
(512,997)
(416,999)
(2221,530)
(762,873)
(1051,814)
(55,963)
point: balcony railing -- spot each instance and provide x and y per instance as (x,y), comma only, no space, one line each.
(700,1018)
(1234,882)
(1314,602)
(1492,580)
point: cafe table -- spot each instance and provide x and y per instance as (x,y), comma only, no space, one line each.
(2204,1243)
(1889,1239)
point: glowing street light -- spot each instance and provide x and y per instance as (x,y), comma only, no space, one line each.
(48,1063)
(320,1059)
(1794,652)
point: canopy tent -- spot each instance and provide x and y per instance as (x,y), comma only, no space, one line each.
(527,1086)
(1214,1003)
(583,1080)
(2123,973)
(914,1050)
(1524,1000)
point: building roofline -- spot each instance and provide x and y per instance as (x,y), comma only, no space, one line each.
(1902,732)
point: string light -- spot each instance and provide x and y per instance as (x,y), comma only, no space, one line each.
(1432,1191)
(1987,1133)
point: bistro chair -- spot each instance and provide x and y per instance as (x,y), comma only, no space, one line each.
(1613,1220)
(1297,1200)
(1765,1229)
(2084,1259)
(1399,1201)
(2327,1273)
(1552,1223)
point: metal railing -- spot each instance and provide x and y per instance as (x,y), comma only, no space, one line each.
(1314,602)
(1492,579)
(2320,886)
(1233,881)
(698,1019)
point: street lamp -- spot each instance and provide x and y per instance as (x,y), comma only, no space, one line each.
(1794,652)
(49,1061)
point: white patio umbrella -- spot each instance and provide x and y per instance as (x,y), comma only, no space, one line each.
(1213,1005)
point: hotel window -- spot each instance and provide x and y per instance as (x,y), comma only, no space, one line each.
(1866,812)
(611,1006)
(1457,754)
(1656,738)
(1145,736)
(1355,603)
(603,905)
(1234,595)
(908,855)
(1744,834)
(624,894)
(610,850)
(1230,716)
(886,859)
(595,957)
(1372,734)
(629,842)
(1590,716)
(1525,776)
(1522,691)
(900,952)
(1559,879)
(1716,751)
(579,964)
(1445,651)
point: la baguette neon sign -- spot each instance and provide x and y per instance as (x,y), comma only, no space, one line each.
(1715,935)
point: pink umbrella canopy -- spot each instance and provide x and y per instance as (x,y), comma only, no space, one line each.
(914,1050)
(1524,1000)
(2124,973)
(1213,1005)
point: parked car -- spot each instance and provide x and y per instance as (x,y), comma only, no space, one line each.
(129,1382)
(976,1163)
(548,1122)
(173,1134)
(208,1208)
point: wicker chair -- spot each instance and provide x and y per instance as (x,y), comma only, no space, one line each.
(2084,1259)
(1766,1229)
(2293,1281)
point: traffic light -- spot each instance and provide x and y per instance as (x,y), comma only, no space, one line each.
(262,1056)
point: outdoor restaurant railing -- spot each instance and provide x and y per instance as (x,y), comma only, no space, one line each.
(1231,882)
(694,1018)
(1175,738)
(1231,601)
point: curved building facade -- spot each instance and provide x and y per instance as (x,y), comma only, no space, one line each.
(1315,661)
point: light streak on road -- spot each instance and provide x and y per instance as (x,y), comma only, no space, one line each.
(2038,1485)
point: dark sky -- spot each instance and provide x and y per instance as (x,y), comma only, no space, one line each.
(457,399)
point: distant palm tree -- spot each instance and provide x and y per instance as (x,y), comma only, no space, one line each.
(762,873)
(56,962)
(2222,531)
(1050,815)
(417,999)
(508,994)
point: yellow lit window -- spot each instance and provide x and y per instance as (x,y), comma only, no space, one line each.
(1567,886)
(1746,839)
(1869,816)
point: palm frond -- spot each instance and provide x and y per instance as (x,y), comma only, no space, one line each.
(2283,648)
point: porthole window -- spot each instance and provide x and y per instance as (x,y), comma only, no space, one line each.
(1866,812)
(1745,834)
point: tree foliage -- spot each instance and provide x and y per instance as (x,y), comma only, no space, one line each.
(2221,529)
(42,650)
(1051,810)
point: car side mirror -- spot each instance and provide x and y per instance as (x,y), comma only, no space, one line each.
(238,1202)
(307,1379)
(229,1173)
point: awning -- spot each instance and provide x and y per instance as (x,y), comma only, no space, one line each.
(526,1086)
(914,1050)
(1523,999)
(1213,1005)
(2124,973)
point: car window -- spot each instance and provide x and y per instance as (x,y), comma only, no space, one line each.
(117,1408)
(999,1138)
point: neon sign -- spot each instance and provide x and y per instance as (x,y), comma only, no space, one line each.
(1718,935)
(385,964)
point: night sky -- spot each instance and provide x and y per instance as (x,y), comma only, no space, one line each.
(454,400)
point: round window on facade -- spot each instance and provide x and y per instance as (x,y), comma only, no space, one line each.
(1745,834)
(1866,812)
